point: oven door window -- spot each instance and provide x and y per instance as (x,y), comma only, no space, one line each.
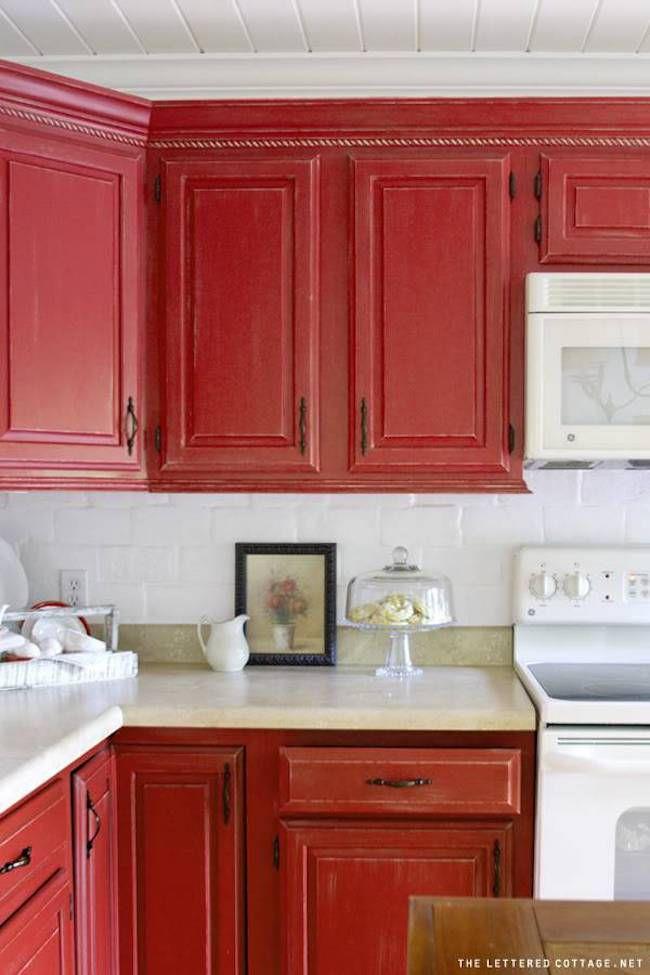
(632,863)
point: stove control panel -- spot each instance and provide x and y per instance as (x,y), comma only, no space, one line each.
(582,585)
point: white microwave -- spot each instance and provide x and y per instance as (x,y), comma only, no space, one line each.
(587,370)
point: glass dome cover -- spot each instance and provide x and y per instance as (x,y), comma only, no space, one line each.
(399,597)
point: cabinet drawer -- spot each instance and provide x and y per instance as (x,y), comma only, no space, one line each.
(34,845)
(400,781)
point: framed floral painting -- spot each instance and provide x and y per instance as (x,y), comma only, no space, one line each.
(288,591)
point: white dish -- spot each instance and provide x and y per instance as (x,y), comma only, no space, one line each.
(14,588)
(51,628)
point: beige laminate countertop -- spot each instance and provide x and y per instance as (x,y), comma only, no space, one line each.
(42,730)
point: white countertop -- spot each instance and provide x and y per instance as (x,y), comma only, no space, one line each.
(42,730)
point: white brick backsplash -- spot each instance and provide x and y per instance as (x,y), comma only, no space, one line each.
(169,525)
(263,525)
(93,526)
(603,486)
(170,558)
(502,525)
(137,564)
(415,527)
(586,526)
(637,524)
(206,563)
(186,604)
(21,526)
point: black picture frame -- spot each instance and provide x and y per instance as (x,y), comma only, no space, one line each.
(246,550)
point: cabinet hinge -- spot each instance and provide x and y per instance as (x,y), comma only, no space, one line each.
(71,905)
(512,186)
(157,439)
(511,439)
(157,189)
(537,229)
(276,852)
(537,185)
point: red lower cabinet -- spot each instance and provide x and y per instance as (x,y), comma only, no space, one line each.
(346,887)
(38,939)
(181,861)
(93,790)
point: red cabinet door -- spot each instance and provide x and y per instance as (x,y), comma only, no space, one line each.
(430,350)
(93,790)
(595,208)
(180,861)
(70,317)
(346,887)
(38,939)
(241,297)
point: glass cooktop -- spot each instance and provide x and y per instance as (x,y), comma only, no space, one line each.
(594,682)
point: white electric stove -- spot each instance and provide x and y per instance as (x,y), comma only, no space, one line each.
(582,649)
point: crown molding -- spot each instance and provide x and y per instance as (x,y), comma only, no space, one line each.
(346,75)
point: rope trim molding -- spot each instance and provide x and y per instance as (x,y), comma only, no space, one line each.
(623,141)
(80,127)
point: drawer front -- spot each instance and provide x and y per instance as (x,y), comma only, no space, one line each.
(34,844)
(400,781)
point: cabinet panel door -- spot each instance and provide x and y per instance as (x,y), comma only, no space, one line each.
(346,888)
(595,208)
(70,265)
(242,316)
(180,862)
(430,339)
(93,789)
(38,939)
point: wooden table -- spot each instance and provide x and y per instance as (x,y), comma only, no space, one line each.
(465,936)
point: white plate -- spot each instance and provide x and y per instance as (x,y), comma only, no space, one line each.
(46,627)
(14,588)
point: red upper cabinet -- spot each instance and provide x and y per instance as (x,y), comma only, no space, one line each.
(595,207)
(70,318)
(241,306)
(430,346)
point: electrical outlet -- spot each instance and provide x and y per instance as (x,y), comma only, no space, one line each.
(73,587)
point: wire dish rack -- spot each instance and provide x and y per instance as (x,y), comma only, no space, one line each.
(110,615)
(70,668)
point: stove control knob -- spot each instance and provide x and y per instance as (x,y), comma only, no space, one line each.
(576,585)
(543,585)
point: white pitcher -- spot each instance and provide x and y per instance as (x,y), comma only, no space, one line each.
(227,648)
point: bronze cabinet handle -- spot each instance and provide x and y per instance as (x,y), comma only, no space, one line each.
(302,425)
(496,863)
(90,806)
(399,783)
(130,425)
(23,860)
(364,427)
(226,798)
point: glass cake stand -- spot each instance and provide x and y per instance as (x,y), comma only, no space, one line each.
(397,601)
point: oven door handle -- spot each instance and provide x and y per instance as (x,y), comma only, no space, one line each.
(616,762)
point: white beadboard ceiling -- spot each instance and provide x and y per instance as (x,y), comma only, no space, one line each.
(301,48)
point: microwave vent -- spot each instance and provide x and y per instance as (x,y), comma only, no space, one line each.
(588,292)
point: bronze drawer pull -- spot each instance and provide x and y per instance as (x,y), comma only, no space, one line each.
(399,783)
(23,860)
